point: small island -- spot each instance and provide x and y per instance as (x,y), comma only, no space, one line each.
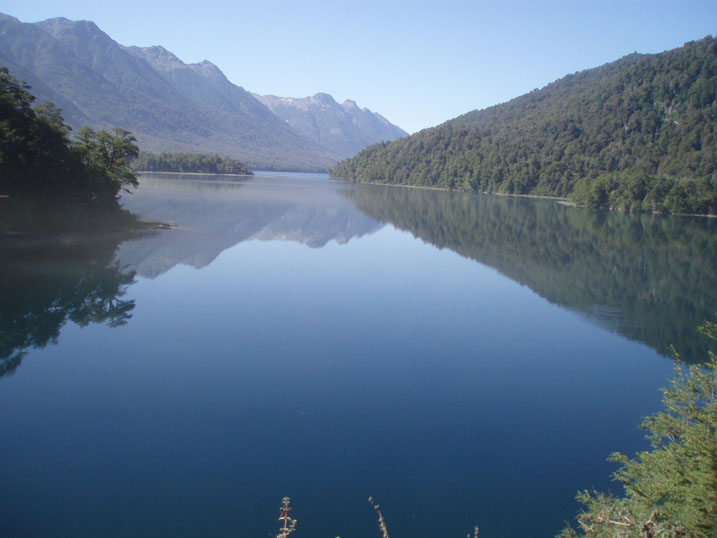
(189,163)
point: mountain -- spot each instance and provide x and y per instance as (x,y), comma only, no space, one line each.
(638,133)
(167,104)
(344,128)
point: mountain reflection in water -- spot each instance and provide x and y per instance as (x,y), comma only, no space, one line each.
(652,279)
(213,214)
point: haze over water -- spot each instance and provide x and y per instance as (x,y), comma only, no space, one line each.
(305,338)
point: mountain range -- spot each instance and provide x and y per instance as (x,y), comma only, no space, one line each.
(344,128)
(170,105)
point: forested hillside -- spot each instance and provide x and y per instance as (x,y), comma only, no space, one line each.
(635,134)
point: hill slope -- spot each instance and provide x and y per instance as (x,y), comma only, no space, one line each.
(343,128)
(167,104)
(642,121)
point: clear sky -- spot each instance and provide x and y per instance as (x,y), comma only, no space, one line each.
(417,63)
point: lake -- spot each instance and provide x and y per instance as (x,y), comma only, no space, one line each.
(463,359)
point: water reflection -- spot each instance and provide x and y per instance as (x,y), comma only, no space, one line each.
(213,214)
(652,279)
(382,366)
(45,284)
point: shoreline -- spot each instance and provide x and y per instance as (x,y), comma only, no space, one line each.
(132,230)
(251,174)
(559,199)
(537,196)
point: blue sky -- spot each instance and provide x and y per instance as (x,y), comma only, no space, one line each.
(417,63)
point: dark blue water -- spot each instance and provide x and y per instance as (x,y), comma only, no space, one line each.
(281,342)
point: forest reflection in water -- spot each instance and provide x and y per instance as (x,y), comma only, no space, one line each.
(46,283)
(650,278)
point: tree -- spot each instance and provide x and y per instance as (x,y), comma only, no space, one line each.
(670,490)
(108,154)
(16,120)
(45,176)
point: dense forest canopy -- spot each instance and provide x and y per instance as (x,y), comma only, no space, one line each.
(635,134)
(189,163)
(44,171)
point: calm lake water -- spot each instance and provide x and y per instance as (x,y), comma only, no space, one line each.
(463,359)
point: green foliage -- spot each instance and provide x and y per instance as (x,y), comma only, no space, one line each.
(670,490)
(638,133)
(189,162)
(42,169)
(642,192)
(106,156)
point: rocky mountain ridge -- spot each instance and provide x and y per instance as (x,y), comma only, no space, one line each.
(344,128)
(169,105)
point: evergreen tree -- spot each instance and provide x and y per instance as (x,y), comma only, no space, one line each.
(671,490)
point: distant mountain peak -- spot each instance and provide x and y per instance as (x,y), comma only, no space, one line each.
(323,99)
(6,17)
(60,25)
(159,51)
(157,56)
(207,68)
(165,61)
(344,128)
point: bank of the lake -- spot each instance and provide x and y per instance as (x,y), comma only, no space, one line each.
(567,201)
